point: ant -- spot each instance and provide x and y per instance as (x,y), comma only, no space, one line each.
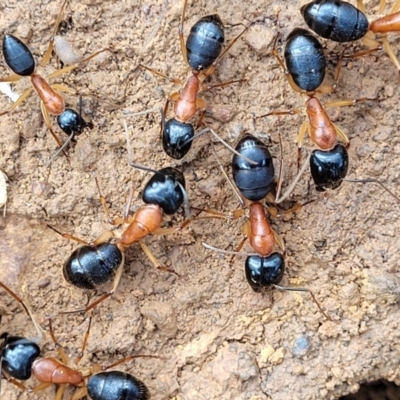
(342,22)
(253,183)
(305,70)
(98,262)
(201,52)
(20,60)
(20,358)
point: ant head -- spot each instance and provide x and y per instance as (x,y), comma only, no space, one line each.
(262,272)
(329,168)
(165,189)
(177,138)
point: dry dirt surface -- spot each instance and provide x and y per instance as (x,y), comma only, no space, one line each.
(216,338)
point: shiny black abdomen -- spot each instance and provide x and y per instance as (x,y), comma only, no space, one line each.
(305,59)
(336,20)
(17,55)
(89,266)
(204,43)
(116,385)
(253,180)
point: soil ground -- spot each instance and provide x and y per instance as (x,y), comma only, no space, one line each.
(217,339)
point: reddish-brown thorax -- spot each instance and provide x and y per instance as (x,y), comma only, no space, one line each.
(185,107)
(53,101)
(145,221)
(390,23)
(322,132)
(51,370)
(260,235)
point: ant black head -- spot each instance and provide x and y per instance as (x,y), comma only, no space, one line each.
(17,55)
(305,59)
(165,189)
(253,180)
(72,122)
(177,138)
(204,43)
(329,168)
(262,272)
(17,356)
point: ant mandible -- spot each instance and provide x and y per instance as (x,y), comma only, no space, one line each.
(201,52)
(254,183)
(20,60)
(20,359)
(342,22)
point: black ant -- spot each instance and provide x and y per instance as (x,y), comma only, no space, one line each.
(20,60)
(254,182)
(20,359)
(202,51)
(329,164)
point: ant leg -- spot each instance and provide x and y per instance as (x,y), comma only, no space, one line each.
(361,5)
(72,67)
(291,187)
(279,240)
(80,393)
(58,347)
(390,53)
(64,89)
(153,71)
(305,126)
(300,289)
(19,384)
(26,308)
(285,112)
(98,368)
(227,83)
(60,392)
(181,38)
(47,121)
(68,236)
(40,387)
(11,78)
(395,8)
(211,69)
(103,202)
(154,260)
(47,54)
(117,278)
(85,339)
(345,103)
(20,100)
(373,180)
